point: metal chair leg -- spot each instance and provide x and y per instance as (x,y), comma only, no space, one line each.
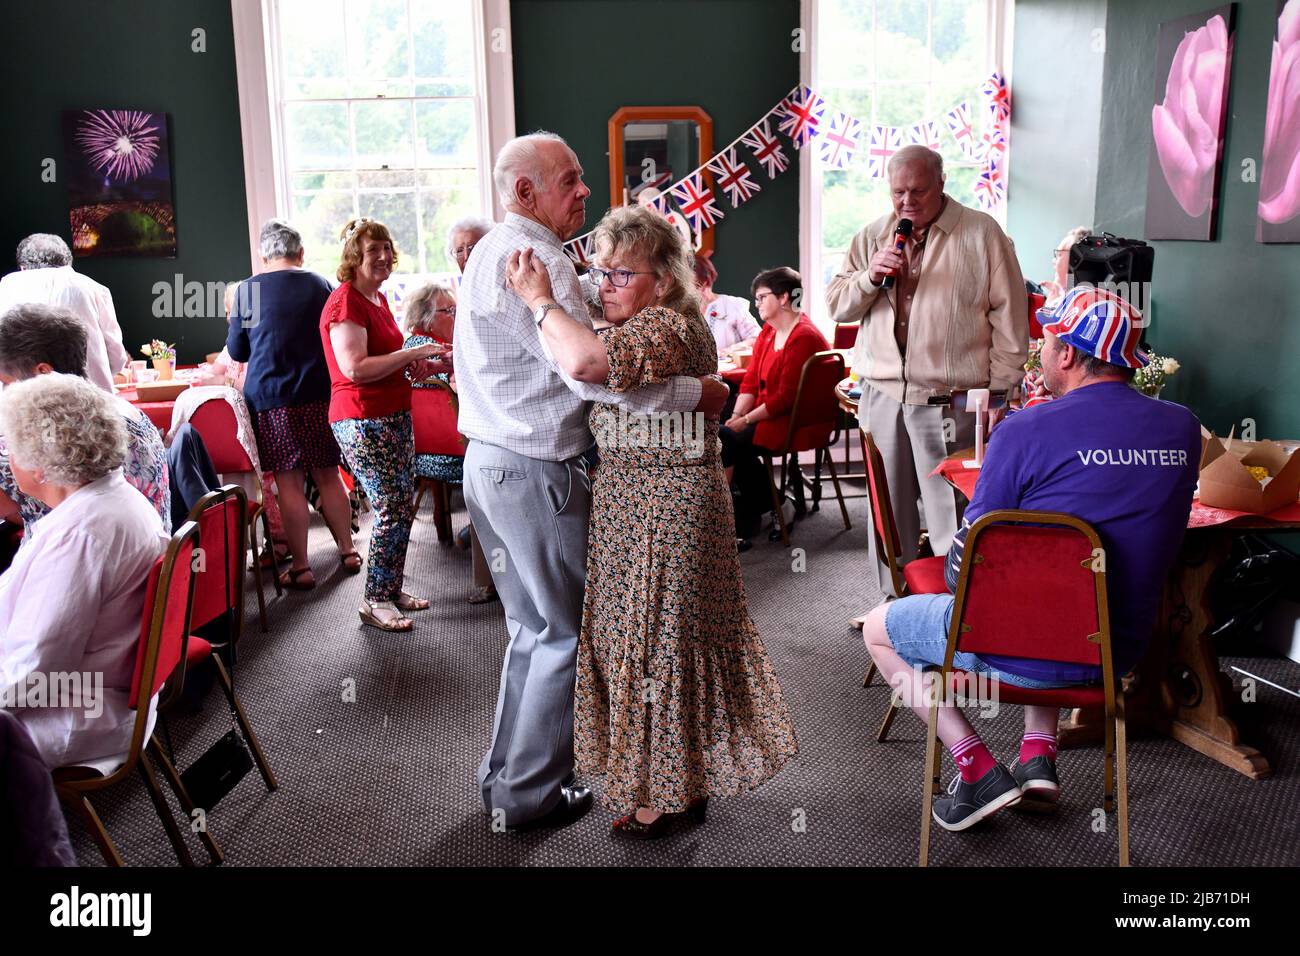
(871,672)
(835,480)
(927,794)
(1121,736)
(164,812)
(258,757)
(173,779)
(895,701)
(85,811)
(776,503)
(269,543)
(257,576)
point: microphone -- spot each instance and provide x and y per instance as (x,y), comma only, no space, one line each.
(900,239)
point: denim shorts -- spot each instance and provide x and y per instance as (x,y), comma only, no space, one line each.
(918,628)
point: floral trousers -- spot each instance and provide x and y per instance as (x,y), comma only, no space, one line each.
(379,451)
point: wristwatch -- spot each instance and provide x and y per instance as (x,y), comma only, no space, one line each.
(540,314)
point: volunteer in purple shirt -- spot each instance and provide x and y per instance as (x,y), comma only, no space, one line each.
(1125,463)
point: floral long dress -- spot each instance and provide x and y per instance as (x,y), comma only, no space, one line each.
(675,697)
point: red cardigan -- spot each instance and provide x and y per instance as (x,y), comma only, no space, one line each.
(774,376)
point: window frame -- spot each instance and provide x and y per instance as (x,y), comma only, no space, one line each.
(261,107)
(1000,23)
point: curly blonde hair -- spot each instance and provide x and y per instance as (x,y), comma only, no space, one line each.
(63,426)
(354,236)
(645,235)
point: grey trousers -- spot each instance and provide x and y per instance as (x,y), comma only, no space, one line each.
(531,517)
(911,439)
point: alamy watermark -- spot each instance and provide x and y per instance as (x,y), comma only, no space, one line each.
(179,299)
(75,690)
(684,430)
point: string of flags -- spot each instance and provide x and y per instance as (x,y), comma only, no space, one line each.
(805,118)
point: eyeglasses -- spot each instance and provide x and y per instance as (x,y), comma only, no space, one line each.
(758,299)
(451,311)
(618,278)
(463,251)
(1059,252)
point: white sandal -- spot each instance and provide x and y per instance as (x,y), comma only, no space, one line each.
(396,623)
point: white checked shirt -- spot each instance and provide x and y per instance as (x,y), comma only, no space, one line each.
(512,392)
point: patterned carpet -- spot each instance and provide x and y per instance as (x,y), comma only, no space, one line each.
(389,778)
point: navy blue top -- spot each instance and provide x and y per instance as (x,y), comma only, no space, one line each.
(275,328)
(1126,464)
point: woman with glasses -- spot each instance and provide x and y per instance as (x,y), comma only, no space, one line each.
(273,318)
(463,236)
(676,700)
(370,410)
(787,341)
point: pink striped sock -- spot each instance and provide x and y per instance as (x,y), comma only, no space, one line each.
(972,757)
(1038,745)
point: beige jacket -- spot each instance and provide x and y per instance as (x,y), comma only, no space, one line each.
(969,325)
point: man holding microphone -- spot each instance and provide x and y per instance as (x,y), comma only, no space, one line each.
(954,317)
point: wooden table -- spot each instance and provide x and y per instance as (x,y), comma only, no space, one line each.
(160,413)
(1178,690)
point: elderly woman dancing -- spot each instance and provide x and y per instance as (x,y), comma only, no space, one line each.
(72,600)
(676,699)
(370,410)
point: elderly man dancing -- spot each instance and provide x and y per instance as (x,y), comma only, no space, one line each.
(525,483)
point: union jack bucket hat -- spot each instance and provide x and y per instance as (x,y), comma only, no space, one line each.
(1101,323)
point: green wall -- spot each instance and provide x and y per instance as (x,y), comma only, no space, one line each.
(577,61)
(1226,309)
(88,54)
(1054,130)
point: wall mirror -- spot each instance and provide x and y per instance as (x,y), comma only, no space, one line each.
(653,147)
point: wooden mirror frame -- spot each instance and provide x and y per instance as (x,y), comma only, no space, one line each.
(658,114)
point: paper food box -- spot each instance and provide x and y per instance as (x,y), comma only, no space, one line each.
(1227,483)
(742,357)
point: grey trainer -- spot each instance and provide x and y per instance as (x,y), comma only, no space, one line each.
(969,803)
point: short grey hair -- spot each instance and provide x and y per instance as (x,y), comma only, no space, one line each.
(41,250)
(417,306)
(279,240)
(521,157)
(33,333)
(916,153)
(474,224)
(63,426)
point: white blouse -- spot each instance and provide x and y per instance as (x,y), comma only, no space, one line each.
(730,320)
(71,603)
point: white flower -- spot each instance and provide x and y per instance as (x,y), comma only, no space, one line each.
(1170,366)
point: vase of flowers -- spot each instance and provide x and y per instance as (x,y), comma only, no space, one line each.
(163,356)
(1150,380)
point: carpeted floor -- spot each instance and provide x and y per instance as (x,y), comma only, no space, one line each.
(389,777)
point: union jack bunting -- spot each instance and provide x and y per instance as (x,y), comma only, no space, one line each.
(696,202)
(958,120)
(990,189)
(766,148)
(925,134)
(885,142)
(997,99)
(734,177)
(993,145)
(579,249)
(840,140)
(803,111)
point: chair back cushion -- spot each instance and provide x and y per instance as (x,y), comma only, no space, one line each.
(1029,592)
(165,620)
(846,335)
(882,515)
(217,576)
(214,420)
(434,419)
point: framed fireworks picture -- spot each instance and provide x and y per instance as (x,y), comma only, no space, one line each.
(118,170)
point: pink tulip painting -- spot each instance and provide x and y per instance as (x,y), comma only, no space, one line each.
(1187,123)
(1279,181)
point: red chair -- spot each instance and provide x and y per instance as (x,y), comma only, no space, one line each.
(222,516)
(998,609)
(812,425)
(214,420)
(164,625)
(846,334)
(434,412)
(921,576)
(1036,302)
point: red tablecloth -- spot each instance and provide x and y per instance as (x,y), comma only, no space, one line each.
(733,375)
(963,479)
